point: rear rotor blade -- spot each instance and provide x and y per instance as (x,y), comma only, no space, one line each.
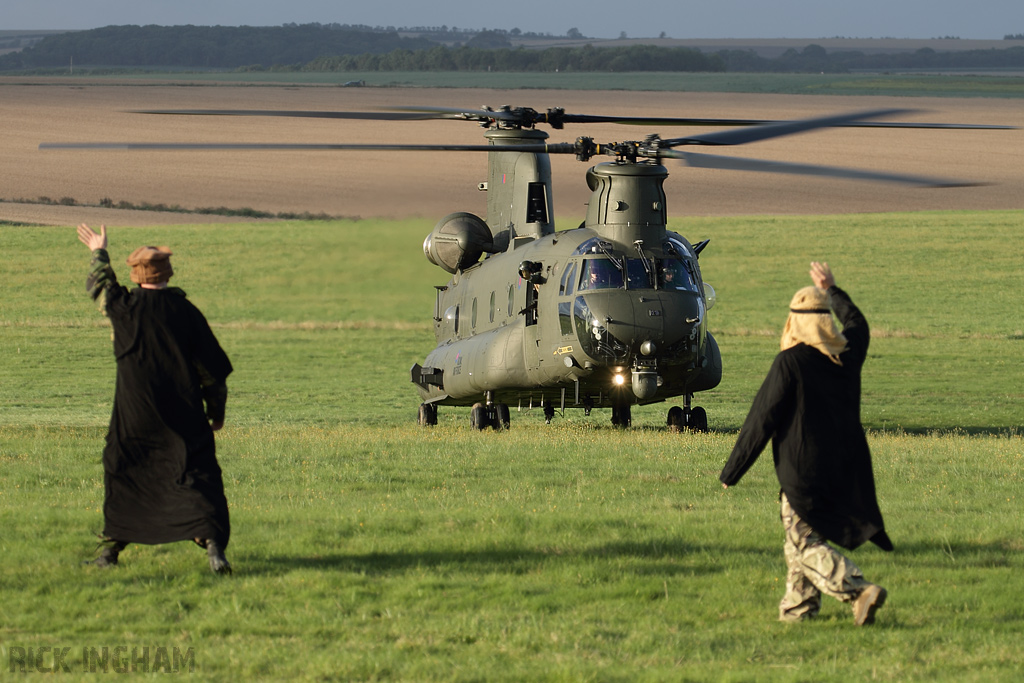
(696,160)
(779,129)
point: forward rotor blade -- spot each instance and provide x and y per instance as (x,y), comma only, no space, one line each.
(655,121)
(376,116)
(658,121)
(468,114)
(563,148)
(773,130)
(696,160)
(556,118)
(457,114)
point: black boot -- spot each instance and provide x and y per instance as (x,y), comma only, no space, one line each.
(218,563)
(110,549)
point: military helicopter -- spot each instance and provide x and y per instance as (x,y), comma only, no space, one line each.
(611,314)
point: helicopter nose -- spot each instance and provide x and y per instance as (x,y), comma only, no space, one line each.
(662,320)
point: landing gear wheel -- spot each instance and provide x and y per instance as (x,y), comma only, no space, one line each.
(676,419)
(478,417)
(428,415)
(549,412)
(699,420)
(503,418)
(682,419)
(621,415)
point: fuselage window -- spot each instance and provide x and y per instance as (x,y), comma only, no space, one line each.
(473,318)
(511,299)
(565,317)
(491,311)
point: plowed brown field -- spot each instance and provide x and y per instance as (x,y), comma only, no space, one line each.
(430,185)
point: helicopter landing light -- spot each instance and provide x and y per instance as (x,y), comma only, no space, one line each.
(618,379)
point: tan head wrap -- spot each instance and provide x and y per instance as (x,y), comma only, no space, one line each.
(810,322)
(151,265)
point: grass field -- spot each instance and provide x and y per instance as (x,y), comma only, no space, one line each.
(367,548)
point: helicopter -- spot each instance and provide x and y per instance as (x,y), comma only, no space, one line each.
(611,314)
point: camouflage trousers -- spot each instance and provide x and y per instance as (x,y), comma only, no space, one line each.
(815,567)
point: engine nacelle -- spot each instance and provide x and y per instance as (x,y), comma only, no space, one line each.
(458,241)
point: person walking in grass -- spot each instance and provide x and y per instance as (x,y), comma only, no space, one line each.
(161,477)
(809,407)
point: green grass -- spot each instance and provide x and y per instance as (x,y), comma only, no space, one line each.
(915,84)
(367,548)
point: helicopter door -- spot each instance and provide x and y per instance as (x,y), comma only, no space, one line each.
(531,334)
(531,304)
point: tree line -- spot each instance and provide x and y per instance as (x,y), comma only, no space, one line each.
(469,58)
(334,47)
(215,47)
(814,59)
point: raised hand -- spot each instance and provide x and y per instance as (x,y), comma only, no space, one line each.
(821,275)
(91,239)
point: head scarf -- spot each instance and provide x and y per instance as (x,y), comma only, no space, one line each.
(810,322)
(151,265)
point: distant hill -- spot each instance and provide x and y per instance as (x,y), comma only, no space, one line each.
(13,41)
(336,47)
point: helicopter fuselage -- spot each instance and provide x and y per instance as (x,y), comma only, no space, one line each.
(611,313)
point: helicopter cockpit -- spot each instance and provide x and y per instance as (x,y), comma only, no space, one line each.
(604,273)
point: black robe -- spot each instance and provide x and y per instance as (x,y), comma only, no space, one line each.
(810,409)
(162,479)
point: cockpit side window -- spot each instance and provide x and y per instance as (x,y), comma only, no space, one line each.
(565,288)
(570,278)
(676,274)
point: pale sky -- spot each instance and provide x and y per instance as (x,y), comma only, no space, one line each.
(982,19)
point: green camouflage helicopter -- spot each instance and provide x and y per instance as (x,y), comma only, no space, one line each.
(611,314)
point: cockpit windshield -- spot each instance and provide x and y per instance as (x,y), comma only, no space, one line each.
(600,273)
(636,274)
(604,273)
